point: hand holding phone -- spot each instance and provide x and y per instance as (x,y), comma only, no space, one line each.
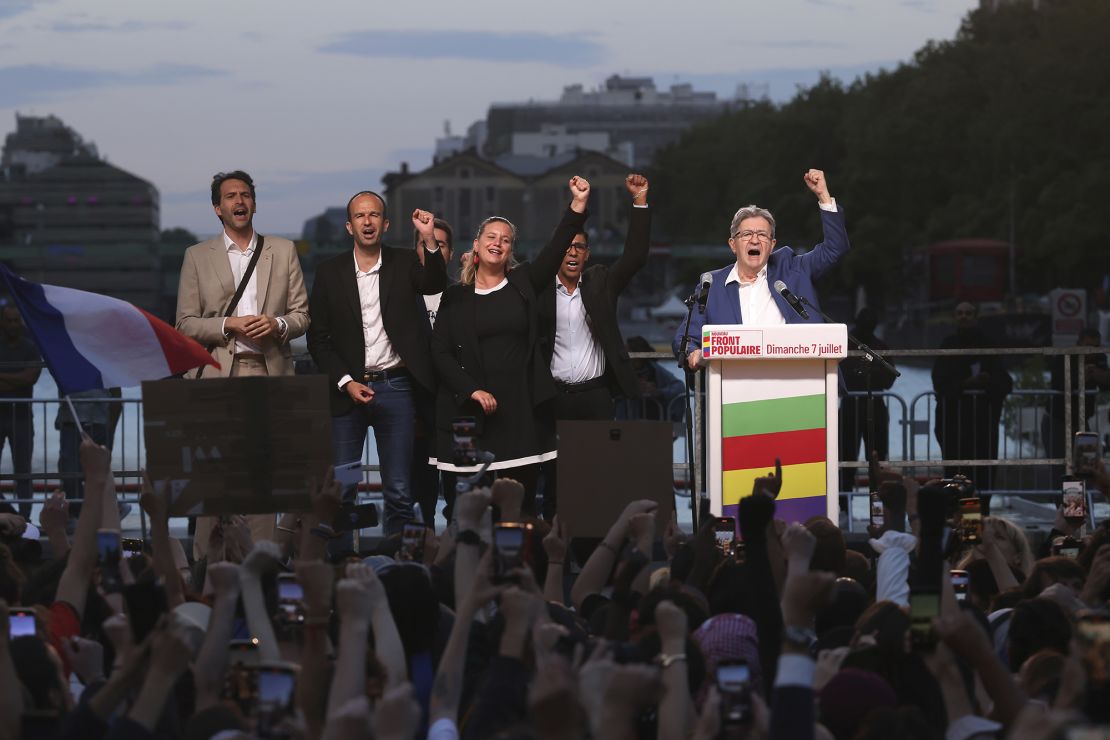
(1073,506)
(924,608)
(971,520)
(412,542)
(725,533)
(511,548)
(734,684)
(109,552)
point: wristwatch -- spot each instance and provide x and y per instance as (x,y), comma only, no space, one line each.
(800,638)
(468,537)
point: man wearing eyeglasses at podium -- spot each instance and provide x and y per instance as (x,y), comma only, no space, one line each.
(745,292)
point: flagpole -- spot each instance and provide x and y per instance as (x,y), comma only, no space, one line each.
(77,419)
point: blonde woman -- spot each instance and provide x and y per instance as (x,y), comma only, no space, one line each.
(486,352)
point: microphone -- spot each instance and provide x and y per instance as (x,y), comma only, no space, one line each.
(792,299)
(704,282)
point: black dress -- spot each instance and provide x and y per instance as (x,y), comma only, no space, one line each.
(488,340)
(514,433)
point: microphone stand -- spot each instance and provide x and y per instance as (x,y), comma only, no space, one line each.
(872,357)
(688,377)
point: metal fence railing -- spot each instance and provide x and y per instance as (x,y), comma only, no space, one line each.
(1035,434)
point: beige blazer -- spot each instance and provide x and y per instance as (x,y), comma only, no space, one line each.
(207,287)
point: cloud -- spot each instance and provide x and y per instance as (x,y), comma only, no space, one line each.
(36,82)
(565,50)
(837,4)
(90,26)
(799,44)
(11,8)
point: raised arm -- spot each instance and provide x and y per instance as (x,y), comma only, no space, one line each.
(156,505)
(638,239)
(429,277)
(211,662)
(542,270)
(73,586)
(834,243)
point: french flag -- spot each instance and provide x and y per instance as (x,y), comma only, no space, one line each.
(92,341)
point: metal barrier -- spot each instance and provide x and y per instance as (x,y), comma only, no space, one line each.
(1024,448)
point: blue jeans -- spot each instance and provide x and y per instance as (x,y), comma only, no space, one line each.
(392,414)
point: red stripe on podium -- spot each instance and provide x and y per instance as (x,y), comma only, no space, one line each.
(760,450)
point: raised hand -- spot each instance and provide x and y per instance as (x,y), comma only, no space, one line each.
(424,223)
(641,529)
(638,188)
(368,579)
(316,578)
(86,657)
(55,512)
(155,502)
(555,543)
(815,181)
(397,714)
(640,506)
(96,460)
(579,193)
(265,555)
(224,579)
(671,622)
(353,599)
(798,543)
(326,497)
(508,496)
(471,507)
(12,526)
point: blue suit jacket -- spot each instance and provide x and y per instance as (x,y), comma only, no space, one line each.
(798,271)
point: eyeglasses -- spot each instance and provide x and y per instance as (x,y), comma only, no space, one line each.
(746,235)
(579,246)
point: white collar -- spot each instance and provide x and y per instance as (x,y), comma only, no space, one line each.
(359,273)
(229,244)
(487,291)
(734,276)
(563,289)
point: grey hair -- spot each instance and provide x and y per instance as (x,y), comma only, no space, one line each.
(751,212)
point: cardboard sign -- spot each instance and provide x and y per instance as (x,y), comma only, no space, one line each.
(237,445)
(605,465)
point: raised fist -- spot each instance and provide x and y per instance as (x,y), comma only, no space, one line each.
(579,189)
(637,187)
(815,181)
(424,223)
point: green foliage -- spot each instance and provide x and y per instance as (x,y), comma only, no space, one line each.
(1014,109)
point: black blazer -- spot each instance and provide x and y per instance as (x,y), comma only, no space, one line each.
(455,350)
(335,334)
(601,286)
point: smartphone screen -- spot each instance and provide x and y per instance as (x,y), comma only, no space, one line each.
(1093,627)
(1085,452)
(131,546)
(924,608)
(876,510)
(107,546)
(725,533)
(463,429)
(960,583)
(289,589)
(734,684)
(1074,504)
(510,546)
(276,686)
(971,521)
(21,623)
(412,542)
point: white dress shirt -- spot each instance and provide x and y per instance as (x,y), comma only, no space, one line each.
(379,352)
(431,305)
(577,357)
(757,305)
(238,259)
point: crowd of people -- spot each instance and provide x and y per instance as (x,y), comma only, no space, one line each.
(783,631)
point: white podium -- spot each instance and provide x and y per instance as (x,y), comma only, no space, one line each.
(772,392)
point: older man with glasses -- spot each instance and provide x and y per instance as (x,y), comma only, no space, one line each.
(743,293)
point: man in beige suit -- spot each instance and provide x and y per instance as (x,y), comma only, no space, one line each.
(272,311)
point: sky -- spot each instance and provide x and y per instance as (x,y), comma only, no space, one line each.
(317,100)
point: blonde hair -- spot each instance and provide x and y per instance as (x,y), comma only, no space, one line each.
(470,268)
(1022,559)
